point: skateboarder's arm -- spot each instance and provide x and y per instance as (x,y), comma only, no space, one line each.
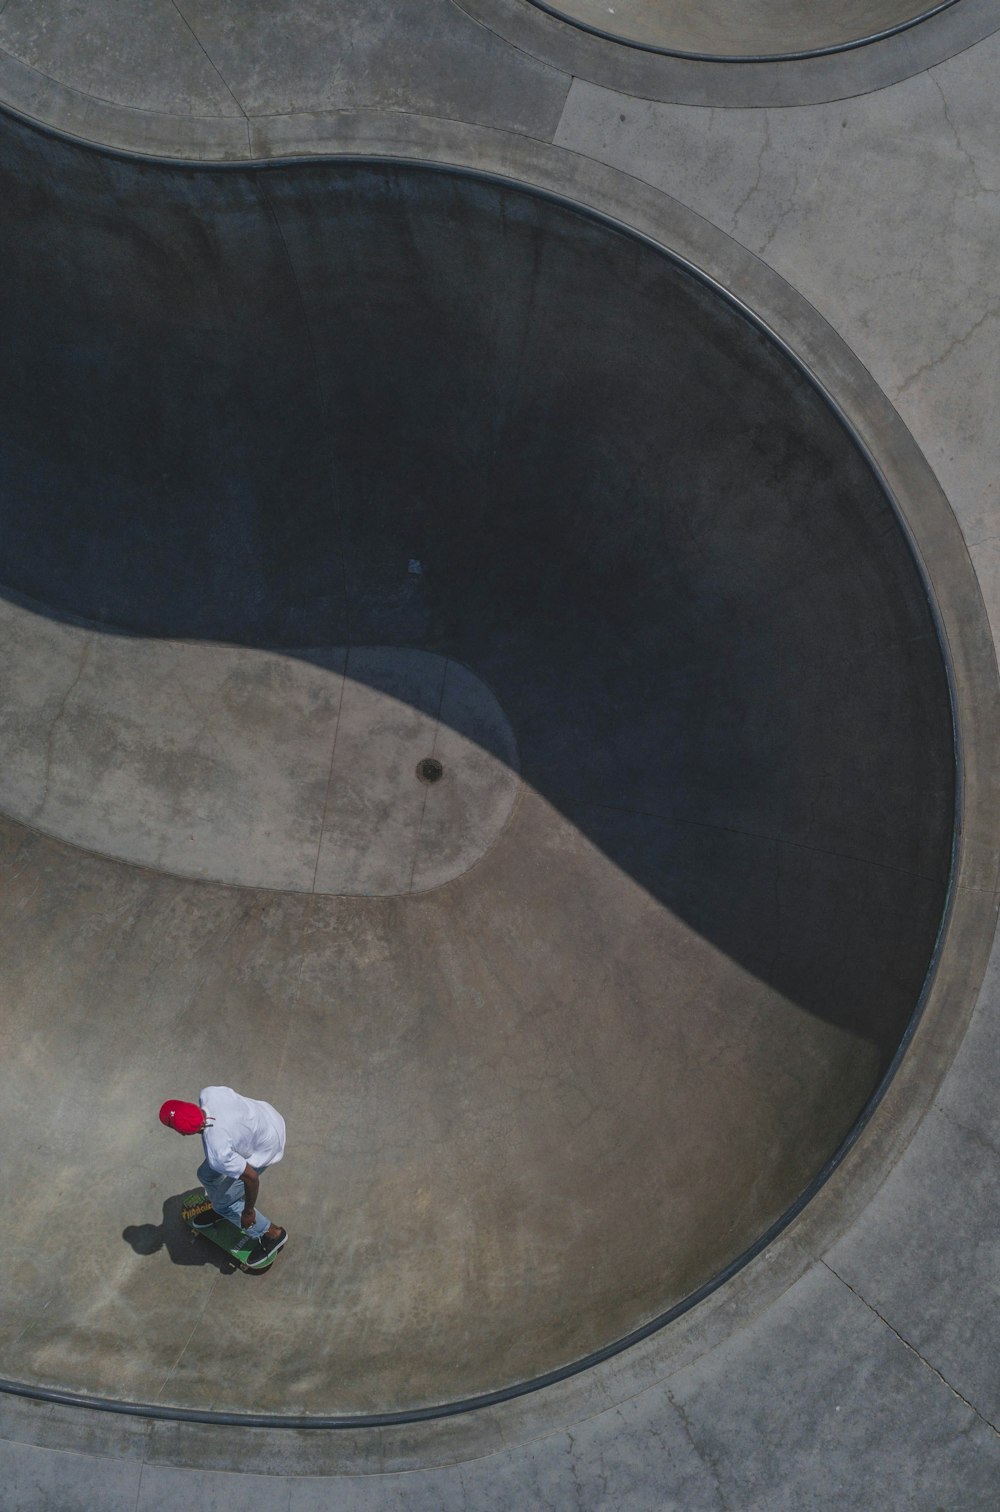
(251,1186)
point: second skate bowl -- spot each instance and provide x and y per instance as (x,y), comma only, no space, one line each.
(428,420)
(744,30)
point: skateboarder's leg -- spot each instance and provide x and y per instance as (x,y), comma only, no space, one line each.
(227,1195)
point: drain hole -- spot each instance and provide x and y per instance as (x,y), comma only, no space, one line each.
(430,769)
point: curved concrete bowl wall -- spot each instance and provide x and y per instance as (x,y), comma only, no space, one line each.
(533,1109)
(744,29)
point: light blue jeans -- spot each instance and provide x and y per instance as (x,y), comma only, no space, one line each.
(227,1195)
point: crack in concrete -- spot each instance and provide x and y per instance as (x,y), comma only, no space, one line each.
(60,714)
(976,1135)
(973,165)
(196,1324)
(765,147)
(33,1323)
(594,1491)
(93,98)
(794,205)
(218,71)
(329,775)
(202,719)
(992,312)
(293,995)
(911,1347)
(574,1472)
(702,1455)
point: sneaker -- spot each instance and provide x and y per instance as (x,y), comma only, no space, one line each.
(205,1220)
(264,1249)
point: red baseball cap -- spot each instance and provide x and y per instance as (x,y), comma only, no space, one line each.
(185,1117)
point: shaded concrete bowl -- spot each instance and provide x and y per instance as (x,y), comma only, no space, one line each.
(537,1112)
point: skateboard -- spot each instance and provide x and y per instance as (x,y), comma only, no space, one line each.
(235,1241)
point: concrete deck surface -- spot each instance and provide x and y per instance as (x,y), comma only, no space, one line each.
(869,1380)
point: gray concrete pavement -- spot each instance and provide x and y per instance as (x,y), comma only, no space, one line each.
(868,1379)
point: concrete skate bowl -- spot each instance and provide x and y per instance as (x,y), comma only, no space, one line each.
(537,1109)
(744,30)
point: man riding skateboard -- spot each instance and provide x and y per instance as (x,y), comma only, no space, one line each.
(241,1138)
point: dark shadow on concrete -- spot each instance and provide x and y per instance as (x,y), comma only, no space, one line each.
(173,1234)
(236,404)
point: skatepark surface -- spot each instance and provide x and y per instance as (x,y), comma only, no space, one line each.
(350,440)
(535,1108)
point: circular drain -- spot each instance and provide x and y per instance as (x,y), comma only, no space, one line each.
(430,769)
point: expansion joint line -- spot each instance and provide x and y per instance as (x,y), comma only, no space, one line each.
(217,70)
(329,775)
(912,1348)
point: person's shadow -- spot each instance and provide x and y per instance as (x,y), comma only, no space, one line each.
(182,1245)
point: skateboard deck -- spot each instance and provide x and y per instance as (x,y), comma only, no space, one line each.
(235,1241)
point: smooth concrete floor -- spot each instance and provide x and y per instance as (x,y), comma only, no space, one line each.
(871,1381)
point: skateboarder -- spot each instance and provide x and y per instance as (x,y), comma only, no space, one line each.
(241,1138)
